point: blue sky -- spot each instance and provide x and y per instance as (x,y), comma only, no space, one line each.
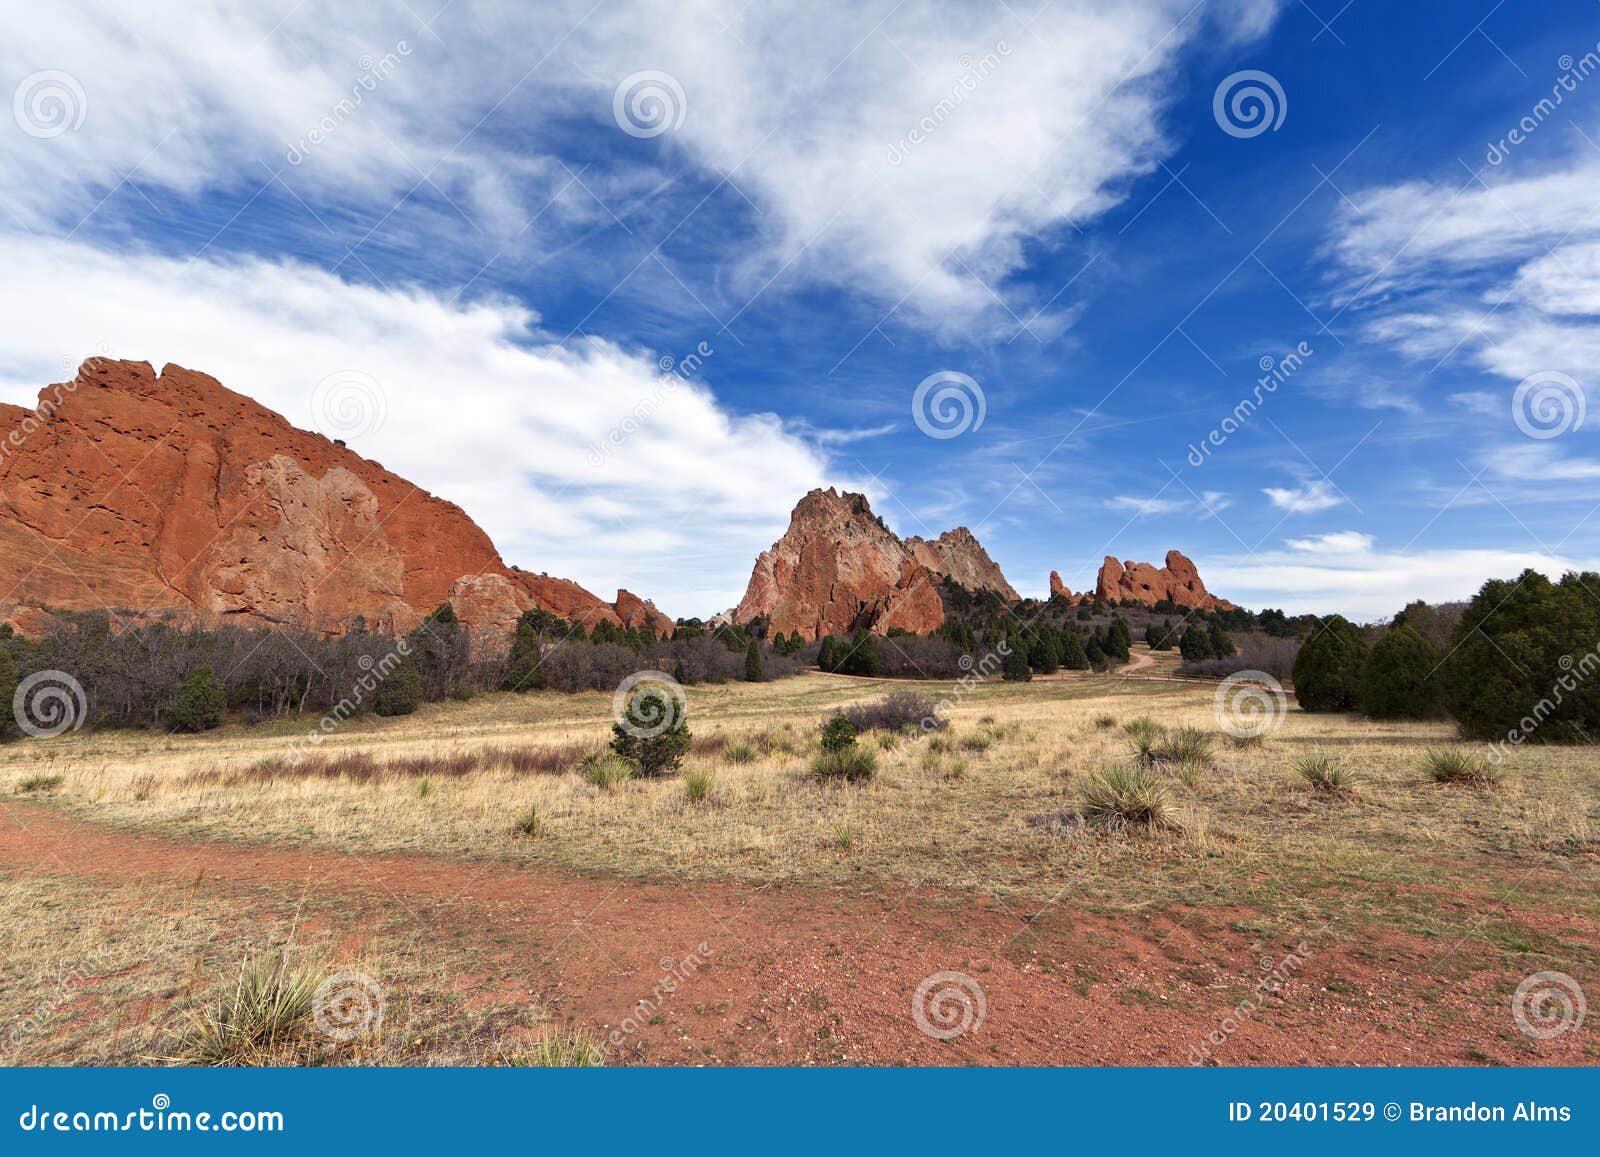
(446,235)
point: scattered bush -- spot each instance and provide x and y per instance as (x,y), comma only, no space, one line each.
(1325,773)
(894,711)
(39,781)
(653,735)
(1120,796)
(1105,721)
(838,733)
(1452,765)
(977,741)
(528,822)
(740,753)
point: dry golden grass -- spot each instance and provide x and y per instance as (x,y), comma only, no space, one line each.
(984,805)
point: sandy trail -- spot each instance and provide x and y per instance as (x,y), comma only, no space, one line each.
(828,975)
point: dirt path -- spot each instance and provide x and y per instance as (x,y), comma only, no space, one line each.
(814,975)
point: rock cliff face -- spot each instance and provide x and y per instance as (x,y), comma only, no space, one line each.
(145,492)
(839,569)
(1177,581)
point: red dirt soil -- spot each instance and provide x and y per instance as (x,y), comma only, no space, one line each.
(828,975)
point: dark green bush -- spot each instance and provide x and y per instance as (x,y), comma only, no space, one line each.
(1327,671)
(199,702)
(401,690)
(1397,680)
(636,738)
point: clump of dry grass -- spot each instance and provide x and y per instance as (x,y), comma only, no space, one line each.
(740,753)
(1105,721)
(1121,796)
(1325,773)
(1452,765)
(1184,745)
(697,785)
(39,781)
(605,769)
(528,823)
(568,1050)
(850,764)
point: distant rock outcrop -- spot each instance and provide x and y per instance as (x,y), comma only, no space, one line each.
(148,493)
(839,568)
(1177,582)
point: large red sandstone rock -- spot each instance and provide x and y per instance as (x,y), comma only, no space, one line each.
(1177,581)
(150,493)
(839,569)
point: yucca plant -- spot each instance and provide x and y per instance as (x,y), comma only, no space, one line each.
(1326,774)
(1185,745)
(1122,796)
(1452,765)
(267,1004)
(851,764)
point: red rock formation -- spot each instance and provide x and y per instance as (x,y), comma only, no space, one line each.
(131,490)
(1178,581)
(839,569)
(1057,587)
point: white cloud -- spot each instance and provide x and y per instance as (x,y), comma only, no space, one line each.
(1030,125)
(1317,494)
(478,408)
(1343,542)
(1355,578)
(1207,504)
